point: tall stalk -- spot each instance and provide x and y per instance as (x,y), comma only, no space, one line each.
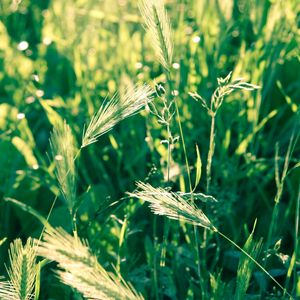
(195,228)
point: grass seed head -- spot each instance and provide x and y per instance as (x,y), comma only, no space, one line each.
(159,29)
(22,272)
(171,205)
(117,109)
(63,152)
(79,268)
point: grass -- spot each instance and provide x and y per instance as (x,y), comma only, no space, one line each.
(98,96)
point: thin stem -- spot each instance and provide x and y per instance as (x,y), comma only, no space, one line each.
(74,224)
(169,152)
(155,279)
(297,231)
(170,83)
(166,221)
(197,244)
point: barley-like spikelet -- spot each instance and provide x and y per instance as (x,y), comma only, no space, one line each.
(159,28)
(113,111)
(22,272)
(80,269)
(63,152)
(171,205)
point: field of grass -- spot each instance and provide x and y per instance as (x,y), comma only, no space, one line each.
(149,149)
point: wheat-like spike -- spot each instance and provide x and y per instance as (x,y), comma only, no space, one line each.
(63,151)
(22,272)
(171,205)
(159,28)
(80,269)
(113,111)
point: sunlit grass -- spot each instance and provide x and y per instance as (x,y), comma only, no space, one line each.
(72,75)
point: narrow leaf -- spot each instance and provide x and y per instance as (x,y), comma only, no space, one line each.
(198,167)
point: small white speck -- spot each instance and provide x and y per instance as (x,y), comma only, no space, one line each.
(29,99)
(176,66)
(140,76)
(47,41)
(175,93)
(196,39)
(36,77)
(138,65)
(20,116)
(58,157)
(35,167)
(146,68)
(235,33)
(39,93)
(22,46)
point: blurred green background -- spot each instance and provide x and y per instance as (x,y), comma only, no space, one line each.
(61,59)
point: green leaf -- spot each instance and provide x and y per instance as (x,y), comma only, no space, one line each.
(28,209)
(37,286)
(25,150)
(198,167)
(2,241)
(54,118)
(37,282)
